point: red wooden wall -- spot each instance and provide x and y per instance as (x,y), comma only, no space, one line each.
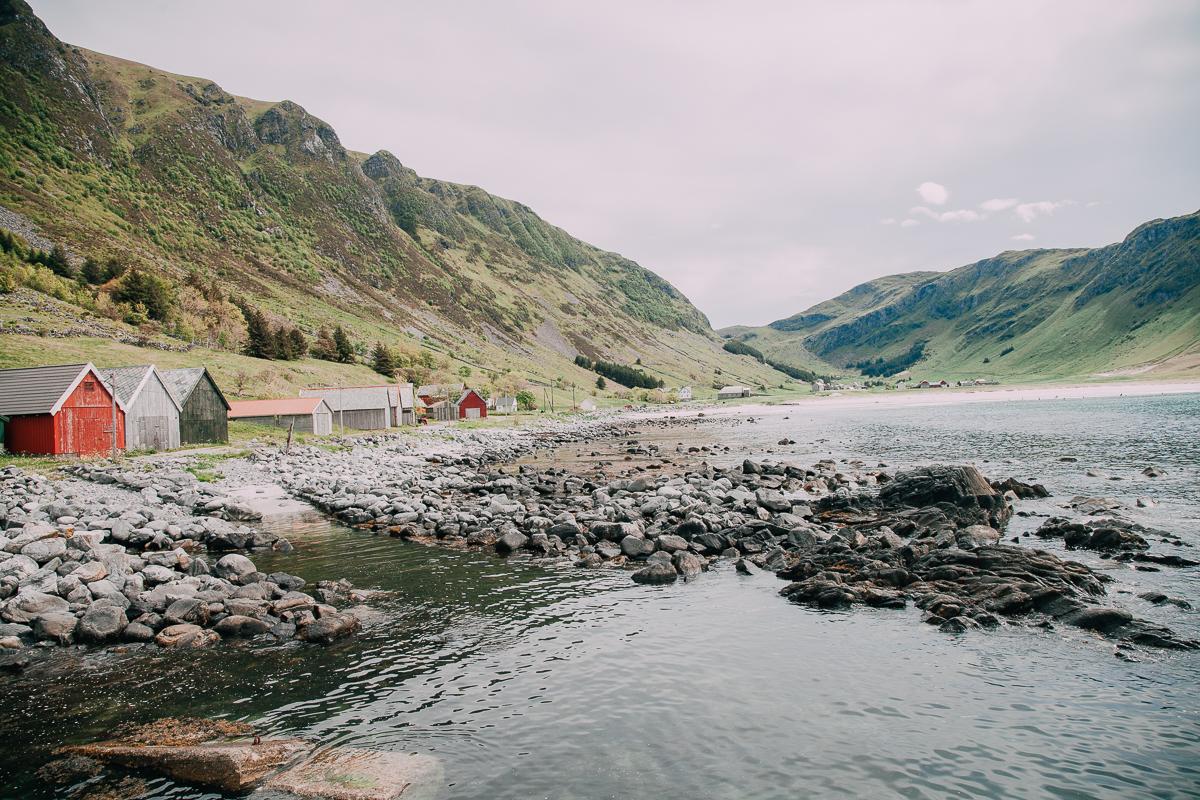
(472,400)
(83,426)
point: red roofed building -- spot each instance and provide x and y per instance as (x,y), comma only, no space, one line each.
(307,414)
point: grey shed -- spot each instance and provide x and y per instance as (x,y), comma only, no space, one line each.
(204,411)
(151,411)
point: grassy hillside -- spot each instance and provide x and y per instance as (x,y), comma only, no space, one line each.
(1131,308)
(259,203)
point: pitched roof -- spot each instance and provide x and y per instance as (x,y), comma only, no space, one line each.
(182,382)
(131,380)
(466,392)
(284,406)
(440,389)
(352,398)
(41,390)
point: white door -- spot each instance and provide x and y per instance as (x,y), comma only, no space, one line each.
(472,413)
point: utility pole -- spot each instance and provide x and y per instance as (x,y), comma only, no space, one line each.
(342,409)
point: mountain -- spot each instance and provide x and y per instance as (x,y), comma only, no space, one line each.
(261,203)
(1127,308)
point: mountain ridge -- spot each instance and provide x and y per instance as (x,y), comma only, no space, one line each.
(1064,312)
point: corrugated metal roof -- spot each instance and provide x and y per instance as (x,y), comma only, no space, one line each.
(353,398)
(182,382)
(271,408)
(37,390)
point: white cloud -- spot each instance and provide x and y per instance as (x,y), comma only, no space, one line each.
(1093,203)
(933,193)
(1023,237)
(961,215)
(999,203)
(1028,212)
(888,221)
(909,223)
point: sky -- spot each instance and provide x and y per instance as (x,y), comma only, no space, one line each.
(762,156)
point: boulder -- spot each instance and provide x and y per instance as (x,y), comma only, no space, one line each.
(688,564)
(350,773)
(233,566)
(657,572)
(43,550)
(635,546)
(230,767)
(511,542)
(101,623)
(238,626)
(30,604)
(185,636)
(329,627)
(55,626)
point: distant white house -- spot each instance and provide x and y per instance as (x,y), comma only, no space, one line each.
(588,404)
(733,392)
(505,405)
(818,385)
(685,394)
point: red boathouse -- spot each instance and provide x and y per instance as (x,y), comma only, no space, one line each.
(471,405)
(59,410)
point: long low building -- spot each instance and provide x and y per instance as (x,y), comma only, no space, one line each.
(307,414)
(364,408)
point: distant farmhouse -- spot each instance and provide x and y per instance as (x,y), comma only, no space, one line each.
(59,410)
(685,394)
(151,411)
(733,392)
(302,414)
(203,409)
(504,405)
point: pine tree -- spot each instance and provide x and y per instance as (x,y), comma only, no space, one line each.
(59,263)
(382,360)
(324,348)
(260,343)
(283,345)
(92,272)
(298,343)
(600,382)
(343,347)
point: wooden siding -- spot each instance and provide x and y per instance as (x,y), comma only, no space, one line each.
(152,422)
(204,417)
(366,419)
(82,426)
(32,434)
(471,401)
(318,423)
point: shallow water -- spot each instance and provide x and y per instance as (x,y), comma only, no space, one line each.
(551,682)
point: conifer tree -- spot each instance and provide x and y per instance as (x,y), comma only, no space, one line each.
(343,347)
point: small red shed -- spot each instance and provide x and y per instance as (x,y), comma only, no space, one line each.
(471,405)
(59,410)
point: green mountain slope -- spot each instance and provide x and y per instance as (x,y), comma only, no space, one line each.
(1128,308)
(261,202)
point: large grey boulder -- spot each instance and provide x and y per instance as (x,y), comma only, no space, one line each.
(43,550)
(657,572)
(233,566)
(101,623)
(29,604)
(55,626)
(510,542)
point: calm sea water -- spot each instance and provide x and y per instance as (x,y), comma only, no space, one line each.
(556,683)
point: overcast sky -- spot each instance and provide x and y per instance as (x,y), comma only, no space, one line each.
(760,156)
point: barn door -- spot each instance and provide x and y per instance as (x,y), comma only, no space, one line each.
(472,413)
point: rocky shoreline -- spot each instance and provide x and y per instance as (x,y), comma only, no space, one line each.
(143,552)
(113,557)
(841,535)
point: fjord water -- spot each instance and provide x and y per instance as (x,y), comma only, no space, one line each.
(534,682)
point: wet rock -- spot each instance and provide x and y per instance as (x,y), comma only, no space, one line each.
(233,566)
(1024,491)
(346,773)
(655,573)
(329,628)
(958,624)
(511,542)
(55,626)
(687,564)
(227,766)
(1102,535)
(1104,620)
(237,626)
(101,624)
(186,636)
